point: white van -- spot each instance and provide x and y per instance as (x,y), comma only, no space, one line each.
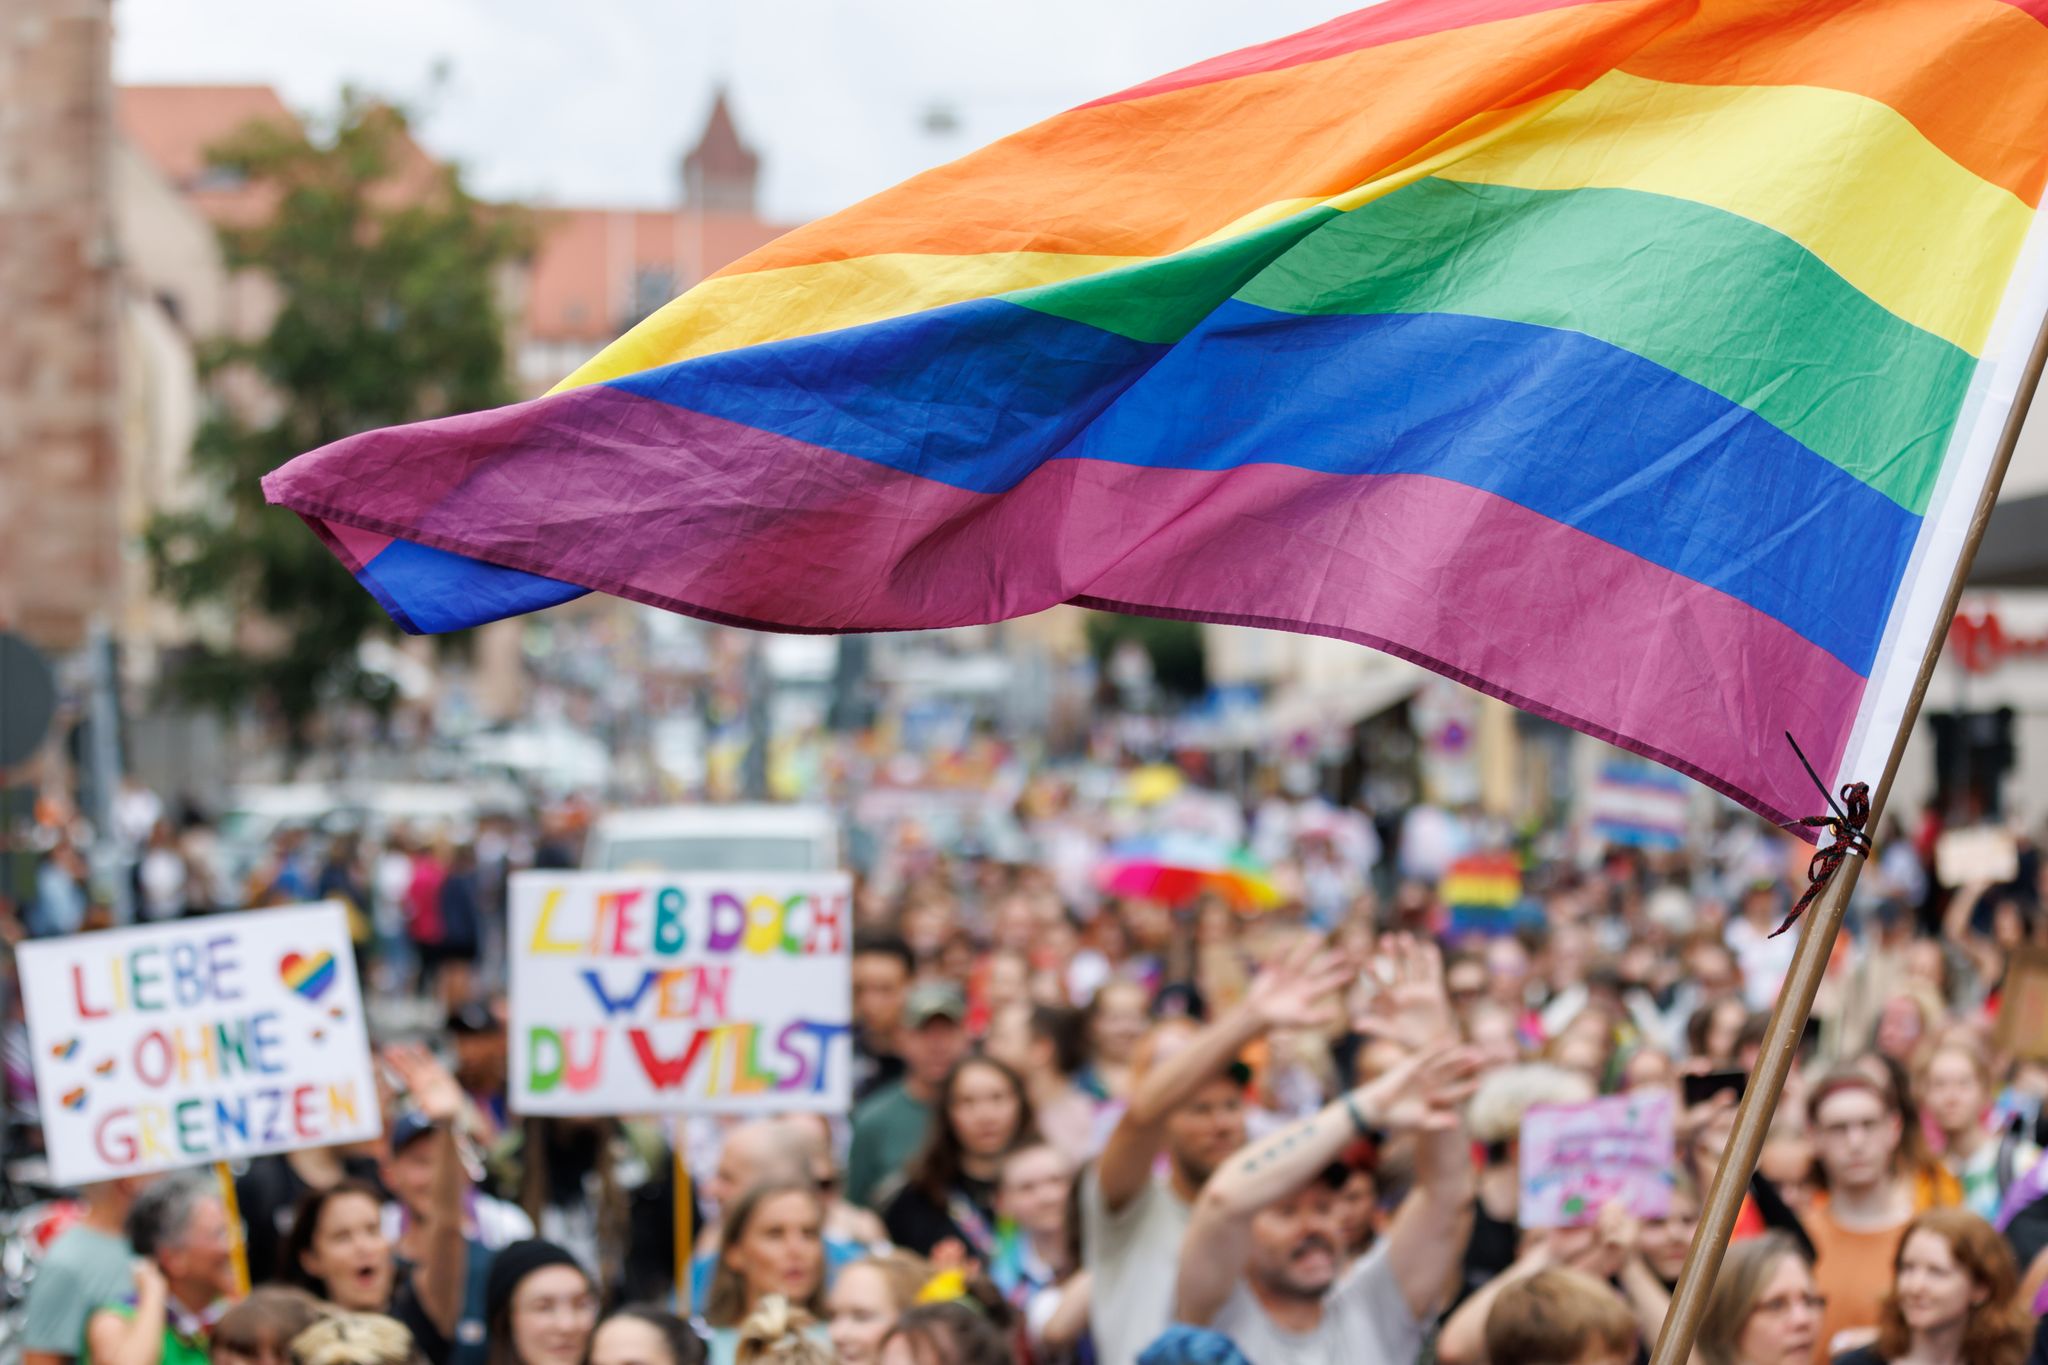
(714,839)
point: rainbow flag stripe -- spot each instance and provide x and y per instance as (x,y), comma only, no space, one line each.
(1637,361)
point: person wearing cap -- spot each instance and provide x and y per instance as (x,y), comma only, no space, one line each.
(337,1249)
(407,1170)
(1188,1104)
(1857,1223)
(890,1128)
(1263,1263)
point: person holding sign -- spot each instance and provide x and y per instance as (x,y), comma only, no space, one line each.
(338,1250)
(184,1274)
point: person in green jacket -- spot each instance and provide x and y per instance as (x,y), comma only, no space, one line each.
(184,1278)
(891,1126)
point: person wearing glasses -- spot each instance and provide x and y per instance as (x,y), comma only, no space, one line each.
(1859,1218)
(1765,1309)
(184,1279)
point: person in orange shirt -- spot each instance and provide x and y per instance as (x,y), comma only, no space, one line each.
(1870,1195)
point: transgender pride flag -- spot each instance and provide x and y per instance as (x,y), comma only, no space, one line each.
(1637,361)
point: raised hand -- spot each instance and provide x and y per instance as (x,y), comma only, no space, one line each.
(1412,1007)
(433,1091)
(1288,991)
(149,1279)
(1618,1230)
(1422,1093)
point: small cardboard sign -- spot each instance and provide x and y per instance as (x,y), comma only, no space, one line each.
(2022,1028)
(1575,1158)
(187,1043)
(637,993)
(1980,853)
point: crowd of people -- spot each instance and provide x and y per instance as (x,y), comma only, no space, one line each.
(1104,1128)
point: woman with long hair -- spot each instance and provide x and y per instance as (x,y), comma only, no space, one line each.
(540,1306)
(773,1242)
(949,1195)
(1953,1299)
(640,1334)
(950,1333)
(866,1299)
(1955,1088)
(598,1187)
(1765,1309)
(1664,1242)
(1114,1023)
(337,1250)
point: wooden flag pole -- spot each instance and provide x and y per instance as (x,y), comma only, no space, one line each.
(238,1244)
(686,1235)
(1817,931)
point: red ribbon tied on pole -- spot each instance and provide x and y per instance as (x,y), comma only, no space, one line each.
(1846,833)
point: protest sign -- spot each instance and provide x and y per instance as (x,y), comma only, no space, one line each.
(2022,1028)
(1980,853)
(1578,1157)
(637,993)
(197,1041)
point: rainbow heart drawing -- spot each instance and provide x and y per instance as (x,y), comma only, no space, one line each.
(312,977)
(74,1099)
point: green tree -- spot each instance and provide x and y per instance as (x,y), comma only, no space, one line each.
(1179,664)
(387,273)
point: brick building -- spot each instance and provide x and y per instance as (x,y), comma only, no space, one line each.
(59,412)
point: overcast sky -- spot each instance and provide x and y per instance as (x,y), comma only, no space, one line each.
(592,102)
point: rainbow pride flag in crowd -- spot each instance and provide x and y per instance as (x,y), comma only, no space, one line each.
(1482,893)
(1636,361)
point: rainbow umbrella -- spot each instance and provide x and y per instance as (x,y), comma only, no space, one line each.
(1176,868)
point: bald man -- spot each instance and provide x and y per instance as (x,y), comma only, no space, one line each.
(787,1147)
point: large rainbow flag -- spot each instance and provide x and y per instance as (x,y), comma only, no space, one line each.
(1637,361)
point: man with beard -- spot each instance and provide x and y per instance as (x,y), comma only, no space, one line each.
(1188,1102)
(1263,1259)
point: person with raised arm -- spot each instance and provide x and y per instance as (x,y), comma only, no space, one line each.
(1262,1262)
(1188,1103)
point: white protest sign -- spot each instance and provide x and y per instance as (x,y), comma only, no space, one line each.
(637,993)
(1577,1157)
(181,1044)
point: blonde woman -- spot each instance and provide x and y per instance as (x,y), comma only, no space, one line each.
(1765,1309)
(866,1299)
(355,1339)
(771,1245)
(777,1333)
